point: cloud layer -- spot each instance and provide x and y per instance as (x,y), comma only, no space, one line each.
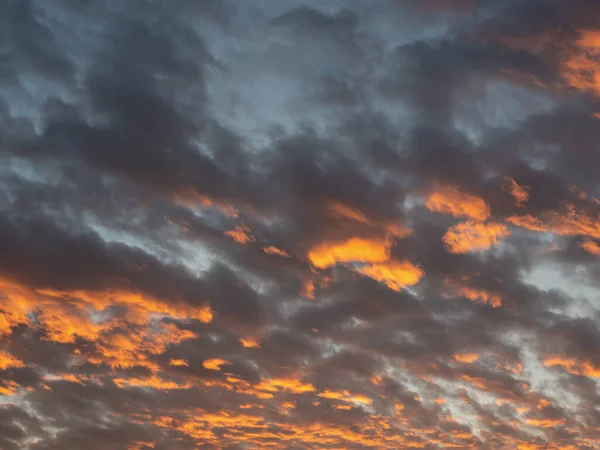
(298,225)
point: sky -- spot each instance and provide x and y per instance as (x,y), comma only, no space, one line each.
(299,224)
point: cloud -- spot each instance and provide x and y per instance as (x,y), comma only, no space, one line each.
(472,236)
(299,224)
(449,200)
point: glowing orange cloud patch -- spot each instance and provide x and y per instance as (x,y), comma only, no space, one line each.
(545,423)
(449,200)
(572,222)
(352,250)
(394,274)
(7,361)
(308,289)
(514,367)
(590,39)
(214,364)
(276,251)
(345,396)
(471,236)
(573,366)
(519,193)
(249,343)
(240,235)
(179,363)
(471,293)
(528,222)
(128,349)
(140,445)
(153,382)
(581,69)
(143,305)
(285,384)
(467,358)
(8,388)
(591,247)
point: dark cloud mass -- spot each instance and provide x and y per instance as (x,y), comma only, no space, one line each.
(299,225)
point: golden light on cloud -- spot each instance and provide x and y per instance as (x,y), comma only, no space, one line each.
(581,69)
(249,342)
(285,384)
(276,251)
(467,358)
(528,222)
(153,382)
(518,192)
(308,289)
(572,221)
(449,200)
(214,364)
(345,396)
(473,236)
(591,247)
(574,366)
(356,249)
(394,274)
(461,288)
(241,235)
(179,363)
(7,361)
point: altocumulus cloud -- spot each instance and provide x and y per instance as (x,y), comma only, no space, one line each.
(299,225)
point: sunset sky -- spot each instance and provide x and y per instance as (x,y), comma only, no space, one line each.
(299,224)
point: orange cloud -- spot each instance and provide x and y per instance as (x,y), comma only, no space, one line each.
(214,364)
(179,363)
(7,361)
(352,250)
(471,236)
(572,222)
(467,358)
(590,246)
(573,366)
(8,387)
(241,235)
(308,289)
(449,200)
(249,343)
(285,384)
(394,274)
(153,382)
(460,288)
(528,222)
(581,69)
(519,193)
(276,251)
(345,396)
(545,423)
